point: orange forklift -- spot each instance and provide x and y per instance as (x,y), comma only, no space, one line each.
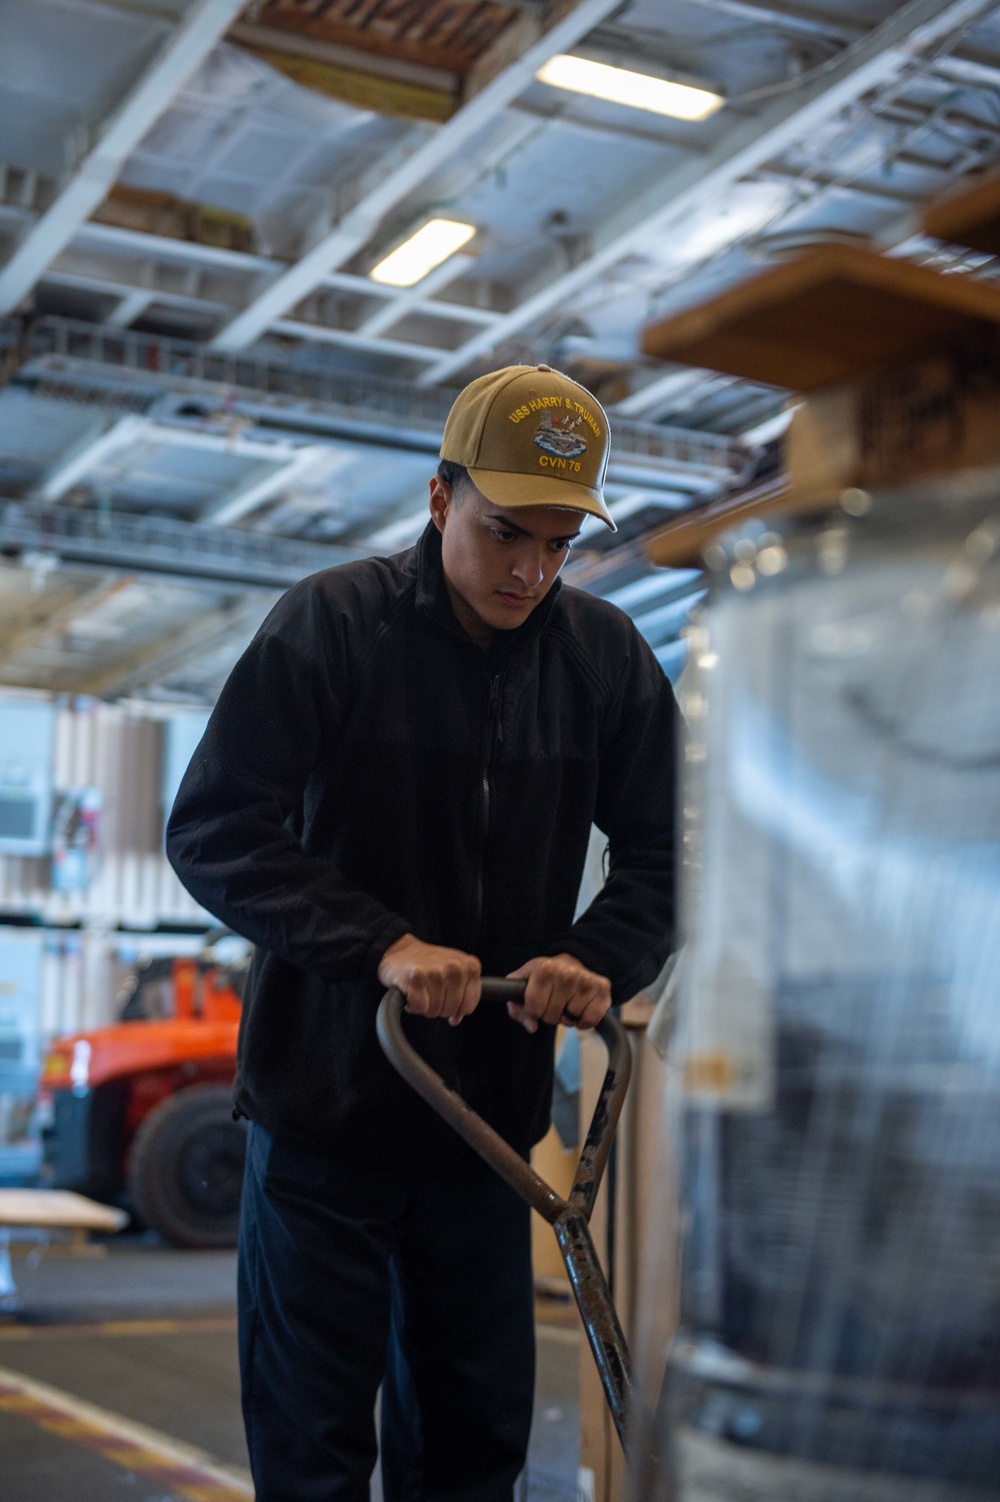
(139,1114)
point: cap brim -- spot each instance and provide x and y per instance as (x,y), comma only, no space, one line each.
(513,490)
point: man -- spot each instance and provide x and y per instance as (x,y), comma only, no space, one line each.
(397,788)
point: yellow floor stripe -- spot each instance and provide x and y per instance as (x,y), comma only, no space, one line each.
(218,1325)
(181,1469)
(547,1314)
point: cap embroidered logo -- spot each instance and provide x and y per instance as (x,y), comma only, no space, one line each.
(557,435)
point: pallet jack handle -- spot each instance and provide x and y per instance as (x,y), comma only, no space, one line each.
(568,1217)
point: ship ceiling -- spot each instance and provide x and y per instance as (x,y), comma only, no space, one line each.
(193,197)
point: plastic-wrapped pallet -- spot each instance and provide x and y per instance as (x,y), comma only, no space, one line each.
(839,1032)
(835,1125)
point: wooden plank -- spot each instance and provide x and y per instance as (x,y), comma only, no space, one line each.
(360,88)
(164,214)
(422,33)
(971,218)
(681,543)
(57,1209)
(828,316)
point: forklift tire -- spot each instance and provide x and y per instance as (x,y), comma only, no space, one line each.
(186,1168)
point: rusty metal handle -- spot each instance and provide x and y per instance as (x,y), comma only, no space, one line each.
(568,1218)
(489,1144)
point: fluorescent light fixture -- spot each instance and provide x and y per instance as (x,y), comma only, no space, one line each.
(433,243)
(642,91)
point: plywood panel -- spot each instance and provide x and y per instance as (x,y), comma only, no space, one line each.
(447,34)
(829,316)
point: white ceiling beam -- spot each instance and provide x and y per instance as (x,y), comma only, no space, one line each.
(970,66)
(115,274)
(401,531)
(967,63)
(744,148)
(778,172)
(96,450)
(657,392)
(353,339)
(115,237)
(461,312)
(412,299)
(150,271)
(360,223)
(251,496)
(771,427)
(84,457)
(156,13)
(130,307)
(808,19)
(573,118)
(204,23)
(95,282)
(642,500)
(236,444)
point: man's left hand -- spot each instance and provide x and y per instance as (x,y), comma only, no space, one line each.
(560,989)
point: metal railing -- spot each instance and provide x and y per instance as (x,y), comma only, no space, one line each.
(392,413)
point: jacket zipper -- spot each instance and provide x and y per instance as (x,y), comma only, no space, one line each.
(495,709)
(494,732)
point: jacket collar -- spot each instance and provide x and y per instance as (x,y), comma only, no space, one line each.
(432,600)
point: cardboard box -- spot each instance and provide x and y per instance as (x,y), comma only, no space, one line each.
(900,366)
(934,417)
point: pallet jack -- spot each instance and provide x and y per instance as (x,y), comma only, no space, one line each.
(569,1218)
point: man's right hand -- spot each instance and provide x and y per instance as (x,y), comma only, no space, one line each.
(435,981)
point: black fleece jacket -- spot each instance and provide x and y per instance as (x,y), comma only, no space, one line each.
(370,771)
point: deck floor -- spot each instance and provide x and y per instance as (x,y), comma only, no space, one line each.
(119,1379)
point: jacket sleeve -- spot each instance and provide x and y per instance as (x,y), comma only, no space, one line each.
(628,930)
(231,834)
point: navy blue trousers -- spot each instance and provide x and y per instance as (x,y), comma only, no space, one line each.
(349,1280)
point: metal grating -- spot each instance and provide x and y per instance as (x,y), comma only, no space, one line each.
(160,545)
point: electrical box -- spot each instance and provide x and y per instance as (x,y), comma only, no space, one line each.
(27,732)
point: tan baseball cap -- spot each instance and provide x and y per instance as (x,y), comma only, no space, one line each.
(529,436)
